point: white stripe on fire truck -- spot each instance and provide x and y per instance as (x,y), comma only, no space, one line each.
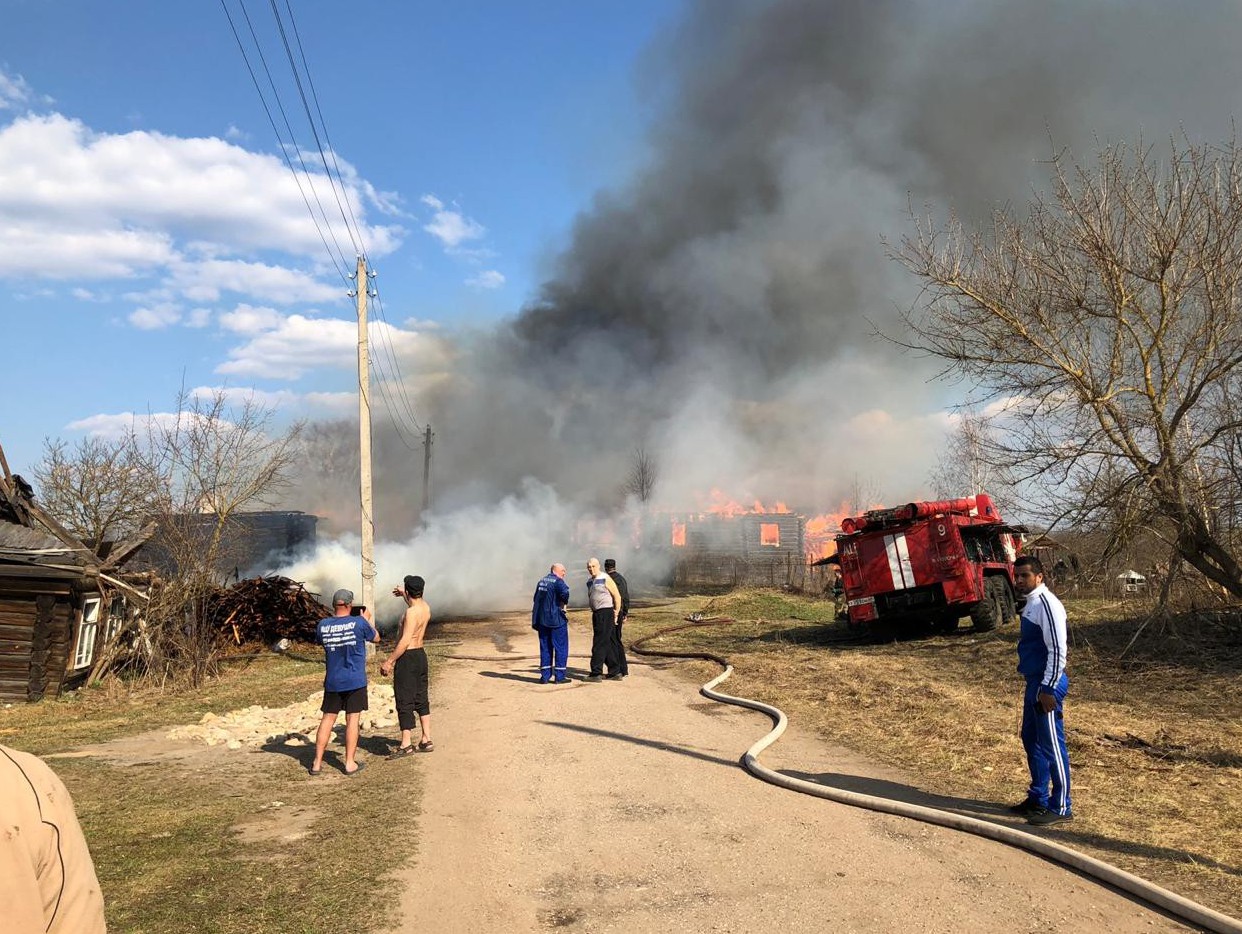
(899,561)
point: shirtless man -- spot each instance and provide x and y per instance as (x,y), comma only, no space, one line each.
(408,665)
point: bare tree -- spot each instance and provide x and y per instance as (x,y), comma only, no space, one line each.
(973,461)
(101,489)
(864,494)
(1109,316)
(211,461)
(644,472)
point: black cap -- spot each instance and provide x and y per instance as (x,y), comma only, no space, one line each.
(610,564)
(414,585)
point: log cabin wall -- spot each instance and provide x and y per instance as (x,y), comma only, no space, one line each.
(751,550)
(36,634)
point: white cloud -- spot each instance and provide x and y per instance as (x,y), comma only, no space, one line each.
(155,317)
(317,403)
(487,279)
(451,228)
(121,423)
(198,318)
(233,133)
(248,319)
(299,344)
(204,281)
(14,91)
(76,205)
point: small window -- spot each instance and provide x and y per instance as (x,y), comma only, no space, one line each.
(770,534)
(679,535)
(87,632)
(116,618)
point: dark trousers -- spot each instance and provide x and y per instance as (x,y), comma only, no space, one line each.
(618,648)
(603,650)
(409,687)
(553,646)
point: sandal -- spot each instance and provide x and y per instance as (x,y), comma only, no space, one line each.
(427,746)
(401,752)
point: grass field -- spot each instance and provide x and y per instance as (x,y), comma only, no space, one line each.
(232,841)
(244,842)
(1155,735)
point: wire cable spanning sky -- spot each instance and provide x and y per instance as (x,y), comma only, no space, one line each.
(604,224)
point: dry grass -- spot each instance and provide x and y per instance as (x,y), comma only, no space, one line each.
(1155,736)
(165,837)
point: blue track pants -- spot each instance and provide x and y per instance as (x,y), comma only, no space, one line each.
(1047,757)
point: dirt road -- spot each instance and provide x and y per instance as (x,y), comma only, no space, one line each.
(620,806)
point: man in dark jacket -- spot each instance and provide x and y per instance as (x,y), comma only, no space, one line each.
(548,618)
(618,647)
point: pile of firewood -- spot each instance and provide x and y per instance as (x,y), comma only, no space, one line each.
(266,609)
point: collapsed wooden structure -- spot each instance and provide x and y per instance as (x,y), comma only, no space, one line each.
(59,601)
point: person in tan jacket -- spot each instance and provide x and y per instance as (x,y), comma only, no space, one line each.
(47,879)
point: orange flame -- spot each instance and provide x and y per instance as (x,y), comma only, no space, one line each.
(720,504)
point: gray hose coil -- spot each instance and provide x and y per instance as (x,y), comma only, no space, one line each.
(1174,904)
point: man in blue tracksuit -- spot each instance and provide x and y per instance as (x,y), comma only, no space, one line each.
(1041,660)
(547,617)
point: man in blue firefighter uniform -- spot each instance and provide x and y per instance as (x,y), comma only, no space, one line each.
(547,617)
(1041,660)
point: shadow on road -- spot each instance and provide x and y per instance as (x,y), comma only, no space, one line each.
(649,743)
(509,676)
(996,813)
(897,791)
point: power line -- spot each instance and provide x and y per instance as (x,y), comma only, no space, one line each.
(283,149)
(398,401)
(297,80)
(292,136)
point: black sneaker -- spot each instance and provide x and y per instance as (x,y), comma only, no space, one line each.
(615,676)
(1044,817)
(594,678)
(1025,807)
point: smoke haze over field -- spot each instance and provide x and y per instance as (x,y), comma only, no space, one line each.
(716,308)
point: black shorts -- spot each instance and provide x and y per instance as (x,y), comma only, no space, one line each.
(354,701)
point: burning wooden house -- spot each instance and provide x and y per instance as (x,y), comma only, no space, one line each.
(758,549)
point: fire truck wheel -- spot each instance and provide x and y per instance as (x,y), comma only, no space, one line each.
(990,611)
(1010,606)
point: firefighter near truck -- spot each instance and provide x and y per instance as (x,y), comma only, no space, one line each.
(924,566)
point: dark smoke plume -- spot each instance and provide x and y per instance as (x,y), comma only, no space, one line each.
(717,308)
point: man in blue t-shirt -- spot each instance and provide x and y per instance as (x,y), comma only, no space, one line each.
(344,637)
(547,617)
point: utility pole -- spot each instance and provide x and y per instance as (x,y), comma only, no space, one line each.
(362,281)
(427,468)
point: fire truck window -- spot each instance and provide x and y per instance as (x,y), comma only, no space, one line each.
(770,534)
(974,550)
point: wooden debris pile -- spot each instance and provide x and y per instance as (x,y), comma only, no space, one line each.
(265,609)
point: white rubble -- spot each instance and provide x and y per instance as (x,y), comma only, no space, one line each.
(296,723)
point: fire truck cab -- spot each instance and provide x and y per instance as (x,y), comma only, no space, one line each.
(929,564)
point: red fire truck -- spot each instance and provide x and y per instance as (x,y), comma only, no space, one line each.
(928,564)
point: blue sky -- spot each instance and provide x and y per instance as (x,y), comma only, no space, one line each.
(151,237)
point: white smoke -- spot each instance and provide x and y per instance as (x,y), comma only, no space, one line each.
(477,558)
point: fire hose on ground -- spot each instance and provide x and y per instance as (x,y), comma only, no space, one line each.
(1176,905)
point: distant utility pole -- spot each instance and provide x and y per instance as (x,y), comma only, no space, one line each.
(362,281)
(427,467)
